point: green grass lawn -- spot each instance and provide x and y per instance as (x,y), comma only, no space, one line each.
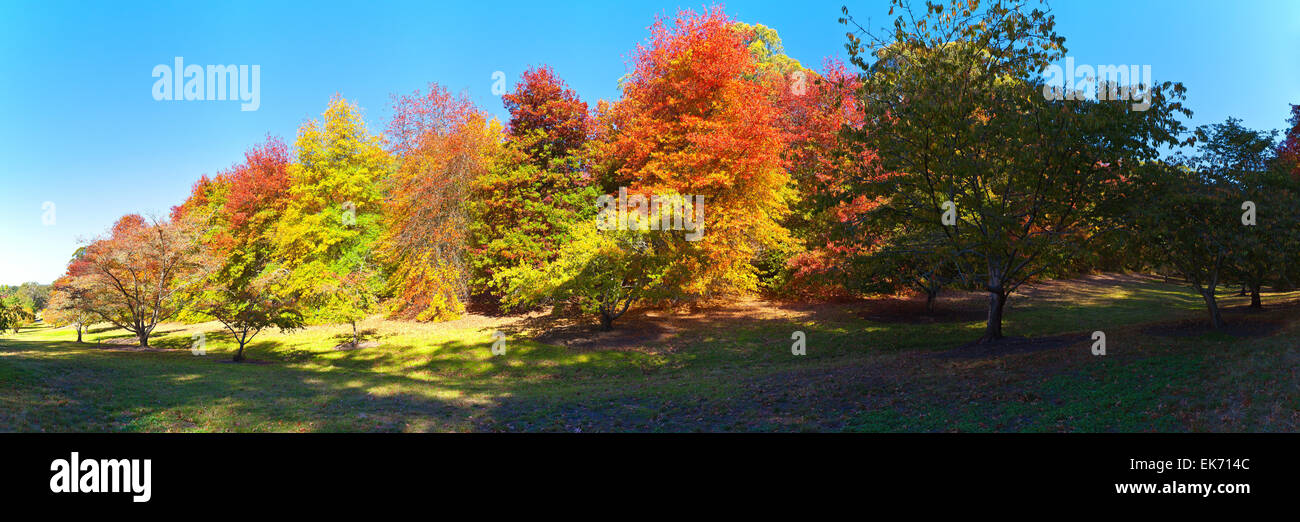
(728,369)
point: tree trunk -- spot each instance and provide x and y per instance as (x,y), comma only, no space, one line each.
(993,330)
(929,302)
(1254,296)
(239,354)
(1216,320)
(356,340)
(606,322)
(78,334)
(144,340)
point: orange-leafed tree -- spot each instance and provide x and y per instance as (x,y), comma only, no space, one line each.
(140,272)
(70,298)
(695,120)
(442,143)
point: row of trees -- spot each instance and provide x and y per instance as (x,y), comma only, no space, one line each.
(982,183)
(20,304)
(448,208)
(938,163)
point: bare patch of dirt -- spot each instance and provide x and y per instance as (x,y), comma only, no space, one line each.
(356,346)
(629,336)
(1085,286)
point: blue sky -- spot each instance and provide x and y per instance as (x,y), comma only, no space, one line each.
(81,129)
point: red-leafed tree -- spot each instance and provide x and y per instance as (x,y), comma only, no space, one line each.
(1288,152)
(815,109)
(258,189)
(547,119)
(244,287)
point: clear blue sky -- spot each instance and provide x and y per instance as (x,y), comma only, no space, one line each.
(81,129)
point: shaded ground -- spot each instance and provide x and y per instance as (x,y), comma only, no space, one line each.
(946,310)
(728,368)
(1012,346)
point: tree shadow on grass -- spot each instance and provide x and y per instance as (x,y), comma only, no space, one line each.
(150,391)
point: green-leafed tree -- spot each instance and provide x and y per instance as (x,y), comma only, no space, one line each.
(603,272)
(1240,160)
(1192,223)
(957,110)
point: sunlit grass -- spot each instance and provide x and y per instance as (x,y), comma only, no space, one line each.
(858,374)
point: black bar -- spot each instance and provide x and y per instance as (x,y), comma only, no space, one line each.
(224,470)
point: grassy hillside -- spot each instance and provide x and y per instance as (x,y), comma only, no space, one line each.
(873,366)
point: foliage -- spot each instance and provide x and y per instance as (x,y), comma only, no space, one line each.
(31,296)
(957,113)
(332,220)
(602,272)
(694,120)
(1239,159)
(523,207)
(139,273)
(1192,221)
(1288,151)
(70,304)
(442,145)
(244,288)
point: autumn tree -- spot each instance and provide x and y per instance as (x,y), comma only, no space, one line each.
(696,121)
(1287,155)
(137,275)
(203,205)
(442,145)
(70,303)
(331,222)
(548,122)
(257,194)
(815,108)
(523,207)
(246,289)
(602,272)
(956,107)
